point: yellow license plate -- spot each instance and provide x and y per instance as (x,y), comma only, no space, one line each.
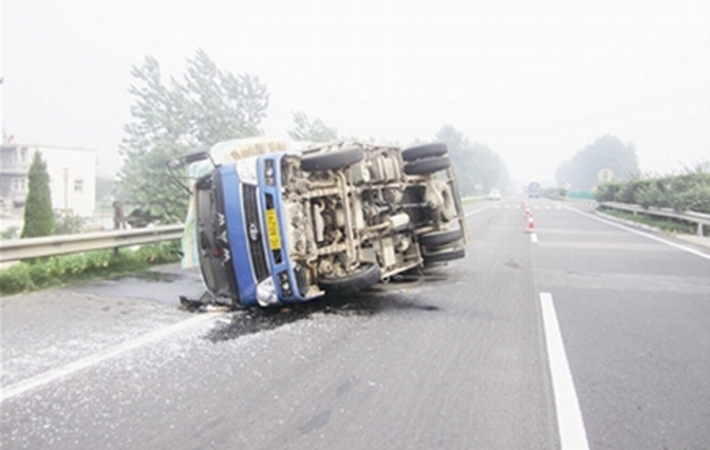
(272,228)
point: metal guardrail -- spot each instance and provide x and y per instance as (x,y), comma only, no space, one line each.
(16,249)
(689,216)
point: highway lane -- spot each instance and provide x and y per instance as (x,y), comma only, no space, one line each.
(457,360)
(635,319)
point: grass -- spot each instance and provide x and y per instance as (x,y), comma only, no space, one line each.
(667,225)
(42,273)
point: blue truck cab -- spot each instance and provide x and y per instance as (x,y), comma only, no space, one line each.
(241,238)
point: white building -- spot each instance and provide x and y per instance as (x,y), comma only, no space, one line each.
(72,176)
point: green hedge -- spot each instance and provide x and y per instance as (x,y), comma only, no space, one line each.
(54,271)
(680,192)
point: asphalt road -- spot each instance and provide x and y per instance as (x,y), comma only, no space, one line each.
(461,358)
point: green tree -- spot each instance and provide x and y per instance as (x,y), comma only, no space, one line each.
(39,217)
(312,131)
(607,152)
(475,164)
(169,118)
(220,105)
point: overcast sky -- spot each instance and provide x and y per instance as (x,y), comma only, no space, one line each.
(535,81)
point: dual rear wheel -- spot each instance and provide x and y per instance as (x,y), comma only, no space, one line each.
(426,159)
(442,246)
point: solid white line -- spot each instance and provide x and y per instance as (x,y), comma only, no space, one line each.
(533,238)
(47,377)
(569,416)
(641,233)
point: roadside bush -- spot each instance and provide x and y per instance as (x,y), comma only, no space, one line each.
(689,181)
(16,279)
(655,193)
(629,192)
(687,192)
(606,192)
(98,261)
(72,264)
(160,253)
(696,199)
(125,261)
(40,276)
(58,270)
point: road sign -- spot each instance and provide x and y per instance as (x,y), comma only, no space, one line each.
(605,175)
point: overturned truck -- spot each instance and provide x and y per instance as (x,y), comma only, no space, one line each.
(281,224)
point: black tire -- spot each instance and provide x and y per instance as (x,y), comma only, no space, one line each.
(331,160)
(424,151)
(425,166)
(436,238)
(365,276)
(444,255)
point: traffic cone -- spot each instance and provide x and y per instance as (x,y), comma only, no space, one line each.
(528,213)
(531,224)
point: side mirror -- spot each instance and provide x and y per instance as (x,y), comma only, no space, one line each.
(197,154)
(191,156)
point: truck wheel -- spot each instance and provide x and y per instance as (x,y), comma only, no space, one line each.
(444,255)
(331,160)
(437,238)
(365,276)
(425,166)
(424,151)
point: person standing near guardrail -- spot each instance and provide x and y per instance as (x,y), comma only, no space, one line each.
(119,217)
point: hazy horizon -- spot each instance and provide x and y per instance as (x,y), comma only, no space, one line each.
(534,82)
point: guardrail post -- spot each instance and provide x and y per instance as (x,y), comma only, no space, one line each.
(700,229)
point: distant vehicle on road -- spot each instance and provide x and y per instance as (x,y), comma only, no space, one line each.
(534,190)
(288,226)
(494,194)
